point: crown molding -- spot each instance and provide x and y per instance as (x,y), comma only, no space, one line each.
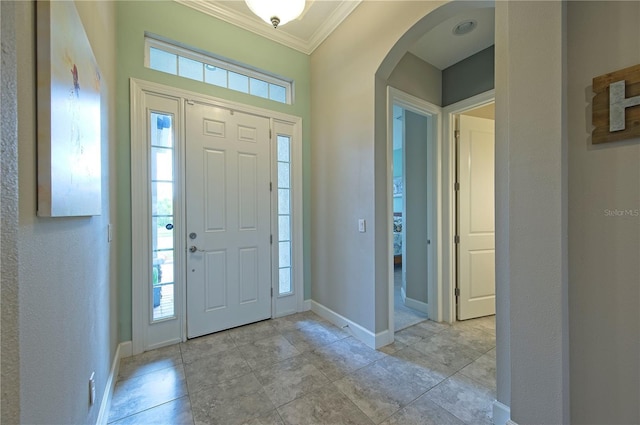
(340,14)
(257,26)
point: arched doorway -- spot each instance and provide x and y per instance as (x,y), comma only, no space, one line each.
(442,241)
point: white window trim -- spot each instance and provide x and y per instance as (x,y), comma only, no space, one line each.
(218,62)
(288,303)
(140,188)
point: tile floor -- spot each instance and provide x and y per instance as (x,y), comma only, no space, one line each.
(301,369)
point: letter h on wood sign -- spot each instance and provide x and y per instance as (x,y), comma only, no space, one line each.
(616,106)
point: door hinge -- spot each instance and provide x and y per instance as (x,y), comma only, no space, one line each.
(457,186)
(456,134)
(270,134)
(271,292)
(270,186)
(271,239)
(456,239)
(457,292)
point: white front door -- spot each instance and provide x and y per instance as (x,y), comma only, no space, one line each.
(476,218)
(228,202)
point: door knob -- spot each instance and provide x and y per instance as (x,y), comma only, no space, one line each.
(193,248)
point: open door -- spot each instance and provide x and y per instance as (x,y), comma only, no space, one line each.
(476,218)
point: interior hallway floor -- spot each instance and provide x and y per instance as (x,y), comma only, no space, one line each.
(301,369)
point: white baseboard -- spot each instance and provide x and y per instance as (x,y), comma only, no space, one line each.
(383,338)
(369,338)
(414,304)
(306,305)
(126,349)
(105,405)
(417,305)
(501,414)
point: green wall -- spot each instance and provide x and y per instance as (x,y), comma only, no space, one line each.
(193,28)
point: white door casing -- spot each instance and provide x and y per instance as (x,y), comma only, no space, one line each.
(287,302)
(476,218)
(146,334)
(421,107)
(228,219)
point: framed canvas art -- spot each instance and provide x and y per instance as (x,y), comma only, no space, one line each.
(69,130)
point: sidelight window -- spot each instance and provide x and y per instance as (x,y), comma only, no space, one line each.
(162,215)
(284,214)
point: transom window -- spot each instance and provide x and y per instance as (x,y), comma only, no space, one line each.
(177,60)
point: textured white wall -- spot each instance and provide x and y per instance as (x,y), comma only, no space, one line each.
(9,367)
(604,247)
(67,293)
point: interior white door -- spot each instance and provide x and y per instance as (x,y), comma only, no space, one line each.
(228,219)
(476,223)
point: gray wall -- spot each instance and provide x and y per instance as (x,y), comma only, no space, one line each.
(604,248)
(67,308)
(417,131)
(469,77)
(349,270)
(414,76)
(531,209)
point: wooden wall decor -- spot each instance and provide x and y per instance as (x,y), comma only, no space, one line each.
(616,106)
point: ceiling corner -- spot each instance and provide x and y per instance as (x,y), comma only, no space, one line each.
(287,37)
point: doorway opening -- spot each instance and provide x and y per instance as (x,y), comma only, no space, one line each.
(461,288)
(414,130)
(475,290)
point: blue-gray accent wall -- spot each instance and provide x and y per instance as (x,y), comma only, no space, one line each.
(469,77)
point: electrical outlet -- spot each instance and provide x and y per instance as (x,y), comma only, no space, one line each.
(362,225)
(92,389)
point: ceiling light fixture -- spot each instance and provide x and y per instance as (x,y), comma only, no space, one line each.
(276,12)
(465,27)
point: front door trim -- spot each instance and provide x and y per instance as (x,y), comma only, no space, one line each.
(140,178)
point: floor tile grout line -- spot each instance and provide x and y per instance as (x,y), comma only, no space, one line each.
(445,408)
(152,407)
(409,403)
(356,406)
(440,405)
(129,378)
(480,384)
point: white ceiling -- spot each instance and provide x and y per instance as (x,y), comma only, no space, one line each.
(439,47)
(319,19)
